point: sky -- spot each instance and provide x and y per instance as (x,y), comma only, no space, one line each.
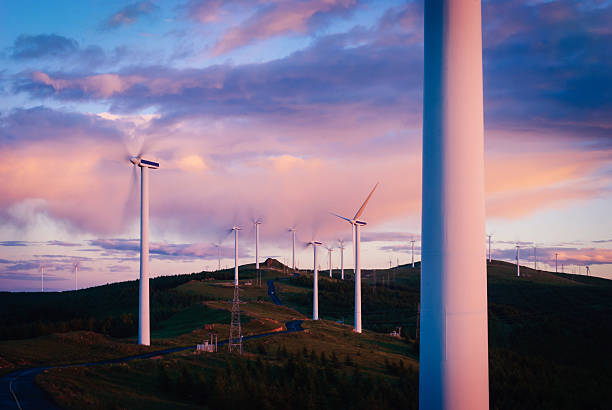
(285,111)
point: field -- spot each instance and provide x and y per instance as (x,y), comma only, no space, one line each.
(548,343)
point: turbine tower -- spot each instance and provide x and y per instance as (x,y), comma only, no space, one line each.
(236,229)
(341,247)
(75,266)
(556,265)
(218,246)
(356,223)
(535,258)
(315,281)
(518,260)
(257,223)
(489,247)
(144,328)
(292,230)
(329,250)
(412,246)
(42,277)
(453,370)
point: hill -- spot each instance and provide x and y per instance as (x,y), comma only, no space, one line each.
(548,337)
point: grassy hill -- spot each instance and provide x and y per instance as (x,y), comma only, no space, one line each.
(548,340)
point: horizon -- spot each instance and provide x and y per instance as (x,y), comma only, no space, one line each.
(285,114)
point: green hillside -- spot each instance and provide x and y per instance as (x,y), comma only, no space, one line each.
(548,341)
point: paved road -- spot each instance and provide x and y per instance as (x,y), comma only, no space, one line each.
(19,391)
(272,293)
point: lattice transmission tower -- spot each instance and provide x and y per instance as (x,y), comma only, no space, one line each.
(235,337)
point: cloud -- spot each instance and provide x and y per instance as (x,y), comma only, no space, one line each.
(13,243)
(276,18)
(182,251)
(566,256)
(129,14)
(28,47)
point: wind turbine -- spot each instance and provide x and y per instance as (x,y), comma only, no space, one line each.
(144,329)
(453,343)
(329,250)
(257,223)
(518,260)
(315,281)
(341,247)
(535,257)
(75,267)
(356,223)
(588,270)
(556,263)
(42,277)
(489,247)
(218,246)
(292,230)
(412,245)
(236,229)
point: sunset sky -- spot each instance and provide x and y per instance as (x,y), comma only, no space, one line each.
(285,110)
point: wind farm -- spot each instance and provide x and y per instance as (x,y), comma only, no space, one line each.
(179,180)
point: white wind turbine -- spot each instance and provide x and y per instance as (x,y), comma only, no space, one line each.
(236,229)
(315,281)
(356,239)
(144,328)
(75,267)
(518,260)
(256,223)
(329,250)
(42,277)
(292,230)
(341,247)
(412,246)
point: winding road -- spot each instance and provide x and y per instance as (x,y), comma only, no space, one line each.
(18,390)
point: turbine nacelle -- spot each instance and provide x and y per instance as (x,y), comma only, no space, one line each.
(144,163)
(315,243)
(236,228)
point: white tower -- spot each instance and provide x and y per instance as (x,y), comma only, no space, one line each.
(453,372)
(412,246)
(535,258)
(329,250)
(315,281)
(341,247)
(518,260)
(76,272)
(144,327)
(236,229)
(556,265)
(356,239)
(257,223)
(292,230)
(489,248)
(42,278)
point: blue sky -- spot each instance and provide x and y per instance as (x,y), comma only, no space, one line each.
(284,110)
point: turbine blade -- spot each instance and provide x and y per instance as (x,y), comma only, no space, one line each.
(341,217)
(360,211)
(131,200)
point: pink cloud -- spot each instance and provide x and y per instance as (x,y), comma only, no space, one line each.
(274,19)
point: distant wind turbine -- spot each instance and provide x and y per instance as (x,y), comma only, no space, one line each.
(236,229)
(218,246)
(42,277)
(75,267)
(412,242)
(518,260)
(341,247)
(292,230)
(356,223)
(315,281)
(144,329)
(329,250)
(556,263)
(257,223)
(535,257)
(489,247)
